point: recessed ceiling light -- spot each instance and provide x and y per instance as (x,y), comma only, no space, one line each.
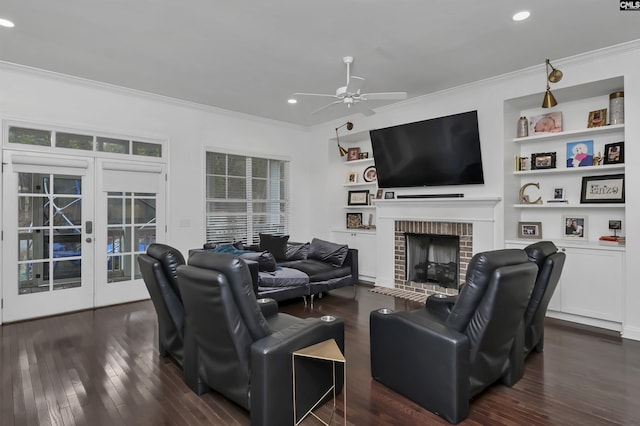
(521,16)
(292,101)
(6,23)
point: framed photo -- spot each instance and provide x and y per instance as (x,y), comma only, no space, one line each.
(379,193)
(363,155)
(372,199)
(389,195)
(602,189)
(580,154)
(546,123)
(358,198)
(558,194)
(352,177)
(614,153)
(354,220)
(353,154)
(370,174)
(597,118)
(531,230)
(615,224)
(574,227)
(543,160)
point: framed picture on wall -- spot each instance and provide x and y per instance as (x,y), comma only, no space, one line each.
(354,220)
(614,153)
(530,230)
(358,198)
(602,189)
(574,227)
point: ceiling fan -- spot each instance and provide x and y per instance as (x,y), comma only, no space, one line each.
(351,95)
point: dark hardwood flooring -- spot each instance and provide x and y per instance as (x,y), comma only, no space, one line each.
(102,367)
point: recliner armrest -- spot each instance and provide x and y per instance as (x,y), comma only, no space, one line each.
(271,368)
(269,307)
(352,261)
(440,305)
(439,354)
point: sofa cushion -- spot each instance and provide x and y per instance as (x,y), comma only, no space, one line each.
(317,270)
(297,251)
(275,244)
(283,277)
(327,251)
(266,261)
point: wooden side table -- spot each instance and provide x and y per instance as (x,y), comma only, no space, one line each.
(327,351)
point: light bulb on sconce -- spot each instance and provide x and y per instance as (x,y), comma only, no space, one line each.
(343,151)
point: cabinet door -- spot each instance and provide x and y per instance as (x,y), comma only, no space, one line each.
(365,243)
(591,283)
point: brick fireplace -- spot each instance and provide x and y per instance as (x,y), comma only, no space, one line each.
(464,232)
(472,219)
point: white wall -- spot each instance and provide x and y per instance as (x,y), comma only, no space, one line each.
(488,98)
(49,99)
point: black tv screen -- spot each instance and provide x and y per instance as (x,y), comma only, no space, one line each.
(439,151)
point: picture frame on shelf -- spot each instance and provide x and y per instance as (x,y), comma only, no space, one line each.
(530,230)
(575,227)
(389,195)
(558,195)
(352,177)
(363,155)
(614,153)
(615,224)
(580,154)
(546,123)
(358,198)
(354,220)
(597,118)
(370,174)
(379,193)
(353,154)
(543,160)
(602,189)
(372,199)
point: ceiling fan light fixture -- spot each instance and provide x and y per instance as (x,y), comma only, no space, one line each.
(521,16)
(292,101)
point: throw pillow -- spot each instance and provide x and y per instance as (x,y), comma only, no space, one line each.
(327,251)
(266,261)
(297,251)
(275,244)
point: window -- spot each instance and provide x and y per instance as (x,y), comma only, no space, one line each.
(245,196)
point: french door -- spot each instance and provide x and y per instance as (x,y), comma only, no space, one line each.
(73,229)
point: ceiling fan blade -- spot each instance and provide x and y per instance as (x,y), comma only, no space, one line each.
(384,96)
(315,94)
(363,108)
(355,84)
(327,106)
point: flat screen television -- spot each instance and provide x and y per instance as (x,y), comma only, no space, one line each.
(434,152)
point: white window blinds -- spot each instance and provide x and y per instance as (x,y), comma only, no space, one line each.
(246,196)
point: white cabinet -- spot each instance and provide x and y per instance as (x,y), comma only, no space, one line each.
(590,290)
(365,242)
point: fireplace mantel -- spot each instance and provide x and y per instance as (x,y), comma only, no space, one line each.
(479,211)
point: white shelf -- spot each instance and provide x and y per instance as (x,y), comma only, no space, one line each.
(571,243)
(570,133)
(359,162)
(570,206)
(356,231)
(359,207)
(360,184)
(603,168)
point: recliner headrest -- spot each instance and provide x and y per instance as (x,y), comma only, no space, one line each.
(170,258)
(538,252)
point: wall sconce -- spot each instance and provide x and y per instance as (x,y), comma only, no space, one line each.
(343,151)
(552,77)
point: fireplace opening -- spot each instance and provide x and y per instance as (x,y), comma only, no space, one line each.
(432,258)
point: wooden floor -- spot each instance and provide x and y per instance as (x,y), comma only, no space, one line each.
(101,367)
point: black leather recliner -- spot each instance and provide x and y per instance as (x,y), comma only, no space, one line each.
(159,268)
(241,352)
(550,262)
(442,363)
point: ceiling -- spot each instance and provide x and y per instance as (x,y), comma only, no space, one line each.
(250,56)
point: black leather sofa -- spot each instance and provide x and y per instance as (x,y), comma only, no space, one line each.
(441,363)
(287,270)
(243,351)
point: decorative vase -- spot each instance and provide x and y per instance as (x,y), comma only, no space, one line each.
(616,108)
(523,127)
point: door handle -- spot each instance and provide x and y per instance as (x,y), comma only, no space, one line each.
(88,240)
(88,227)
